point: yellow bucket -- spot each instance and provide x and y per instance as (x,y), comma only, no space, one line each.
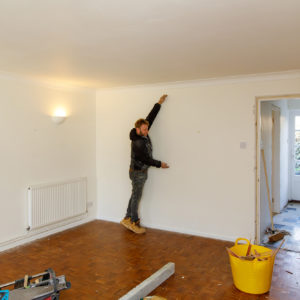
(251,276)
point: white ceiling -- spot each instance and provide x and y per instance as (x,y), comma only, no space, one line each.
(108,43)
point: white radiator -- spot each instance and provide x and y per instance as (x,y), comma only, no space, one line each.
(55,202)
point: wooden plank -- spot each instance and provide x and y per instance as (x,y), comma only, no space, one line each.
(151,283)
(268,189)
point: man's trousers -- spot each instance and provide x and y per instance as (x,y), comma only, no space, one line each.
(138,179)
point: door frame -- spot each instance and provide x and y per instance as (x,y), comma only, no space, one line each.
(258,101)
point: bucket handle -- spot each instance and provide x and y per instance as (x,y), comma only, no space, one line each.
(242,239)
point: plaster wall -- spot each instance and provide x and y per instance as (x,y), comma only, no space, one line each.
(34,150)
(206,132)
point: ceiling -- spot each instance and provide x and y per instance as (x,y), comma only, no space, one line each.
(110,43)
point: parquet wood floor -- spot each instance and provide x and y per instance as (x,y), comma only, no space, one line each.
(103,260)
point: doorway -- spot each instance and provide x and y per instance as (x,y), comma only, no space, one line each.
(270,163)
(275,181)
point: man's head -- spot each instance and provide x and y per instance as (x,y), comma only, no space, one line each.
(141,126)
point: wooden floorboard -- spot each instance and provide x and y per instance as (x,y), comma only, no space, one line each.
(103,260)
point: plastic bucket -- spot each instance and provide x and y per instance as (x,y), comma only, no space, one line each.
(251,276)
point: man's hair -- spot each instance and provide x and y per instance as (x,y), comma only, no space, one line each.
(140,122)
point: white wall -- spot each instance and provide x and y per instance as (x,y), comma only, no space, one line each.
(35,150)
(209,189)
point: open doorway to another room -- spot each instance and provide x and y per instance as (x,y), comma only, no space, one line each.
(278,170)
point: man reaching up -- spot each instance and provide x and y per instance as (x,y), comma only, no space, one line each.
(141,160)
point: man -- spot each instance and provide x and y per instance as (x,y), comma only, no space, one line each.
(141,160)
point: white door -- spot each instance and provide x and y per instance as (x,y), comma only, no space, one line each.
(295,154)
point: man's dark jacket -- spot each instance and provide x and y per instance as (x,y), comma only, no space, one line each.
(141,147)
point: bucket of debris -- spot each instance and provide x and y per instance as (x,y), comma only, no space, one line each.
(252,266)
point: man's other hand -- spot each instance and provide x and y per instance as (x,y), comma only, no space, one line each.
(162,99)
(164,165)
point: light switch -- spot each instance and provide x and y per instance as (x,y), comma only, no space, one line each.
(243,145)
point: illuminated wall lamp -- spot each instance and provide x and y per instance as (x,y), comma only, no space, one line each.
(59,116)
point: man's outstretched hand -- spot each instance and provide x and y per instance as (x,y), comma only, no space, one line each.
(164,165)
(162,99)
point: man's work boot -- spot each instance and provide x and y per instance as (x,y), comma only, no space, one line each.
(126,222)
(136,228)
(133,226)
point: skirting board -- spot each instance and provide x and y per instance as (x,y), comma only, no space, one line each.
(151,283)
(35,235)
(178,230)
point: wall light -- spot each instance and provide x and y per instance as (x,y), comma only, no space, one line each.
(59,116)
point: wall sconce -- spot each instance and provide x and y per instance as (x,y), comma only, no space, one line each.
(59,116)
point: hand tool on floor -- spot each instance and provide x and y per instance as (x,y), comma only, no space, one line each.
(45,287)
(276,234)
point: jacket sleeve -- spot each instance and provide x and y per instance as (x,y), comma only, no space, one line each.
(153,113)
(133,135)
(142,155)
